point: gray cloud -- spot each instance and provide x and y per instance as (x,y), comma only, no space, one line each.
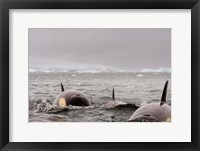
(124,48)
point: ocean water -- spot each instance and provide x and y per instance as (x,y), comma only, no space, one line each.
(132,88)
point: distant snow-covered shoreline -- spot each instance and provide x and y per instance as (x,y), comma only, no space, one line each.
(96,70)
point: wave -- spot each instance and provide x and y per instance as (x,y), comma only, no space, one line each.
(139,75)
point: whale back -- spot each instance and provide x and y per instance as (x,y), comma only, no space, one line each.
(114,103)
(154,112)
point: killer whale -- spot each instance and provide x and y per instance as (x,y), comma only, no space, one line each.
(153,112)
(114,103)
(71,97)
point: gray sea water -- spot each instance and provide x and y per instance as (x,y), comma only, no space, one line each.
(132,88)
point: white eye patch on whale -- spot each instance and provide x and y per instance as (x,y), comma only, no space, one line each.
(153,112)
(71,97)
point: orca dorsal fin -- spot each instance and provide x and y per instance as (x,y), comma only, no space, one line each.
(113,94)
(164,94)
(62,88)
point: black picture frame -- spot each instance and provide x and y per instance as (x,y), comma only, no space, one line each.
(5,5)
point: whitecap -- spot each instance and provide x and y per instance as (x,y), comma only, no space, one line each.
(139,75)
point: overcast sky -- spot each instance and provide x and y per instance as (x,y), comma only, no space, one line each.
(123,48)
